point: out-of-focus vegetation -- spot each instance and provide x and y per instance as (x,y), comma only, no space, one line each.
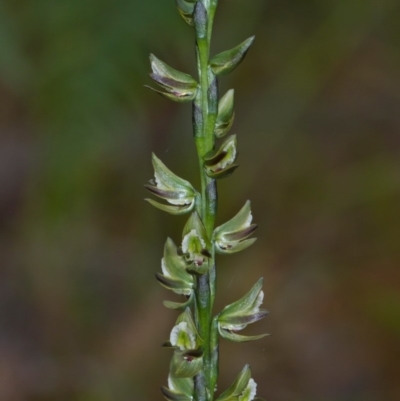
(318,120)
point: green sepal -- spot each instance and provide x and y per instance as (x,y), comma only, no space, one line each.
(225,173)
(162,69)
(179,97)
(172,395)
(164,177)
(240,246)
(181,385)
(178,305)
(174,265)
(245,304)
(226,114)
(238,386)
(236,223)
(179,86)
(241,234)
(244,319)
(186,363)
(238,338)
(186,9)
(219,163)
(228,60)
(174,284)
(232,236)
(175,210)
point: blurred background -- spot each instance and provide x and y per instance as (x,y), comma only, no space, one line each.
(318,124)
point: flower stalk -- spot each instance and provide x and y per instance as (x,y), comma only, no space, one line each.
(189,270)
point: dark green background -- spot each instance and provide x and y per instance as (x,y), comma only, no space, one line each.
(318,125)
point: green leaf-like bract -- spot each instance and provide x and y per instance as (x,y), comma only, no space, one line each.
(225,62)
(244,304)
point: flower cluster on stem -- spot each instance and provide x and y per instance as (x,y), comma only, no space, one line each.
(188,269)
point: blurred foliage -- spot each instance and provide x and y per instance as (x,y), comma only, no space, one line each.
(319,135)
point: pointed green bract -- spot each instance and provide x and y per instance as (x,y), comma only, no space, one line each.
(247,303)
(228,60)
(244,388)
(238,386)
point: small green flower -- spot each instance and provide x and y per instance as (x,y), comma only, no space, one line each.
(220,163)
(175,277)
(232,236)
(228,60)
(179,87)
(176,191)
(238,315)
(182,337)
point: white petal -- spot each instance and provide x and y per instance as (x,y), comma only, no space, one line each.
(174,336)
(258,302)
(186,240)
(249,392)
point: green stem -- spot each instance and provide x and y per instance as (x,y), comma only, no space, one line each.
(205,109)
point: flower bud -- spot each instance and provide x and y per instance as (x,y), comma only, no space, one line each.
(244,388)
(173,189)
(227,61)
(179,86)
(232,236)
(238,315)
(219,163)
(196,245)
(226,114)
(186,9)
